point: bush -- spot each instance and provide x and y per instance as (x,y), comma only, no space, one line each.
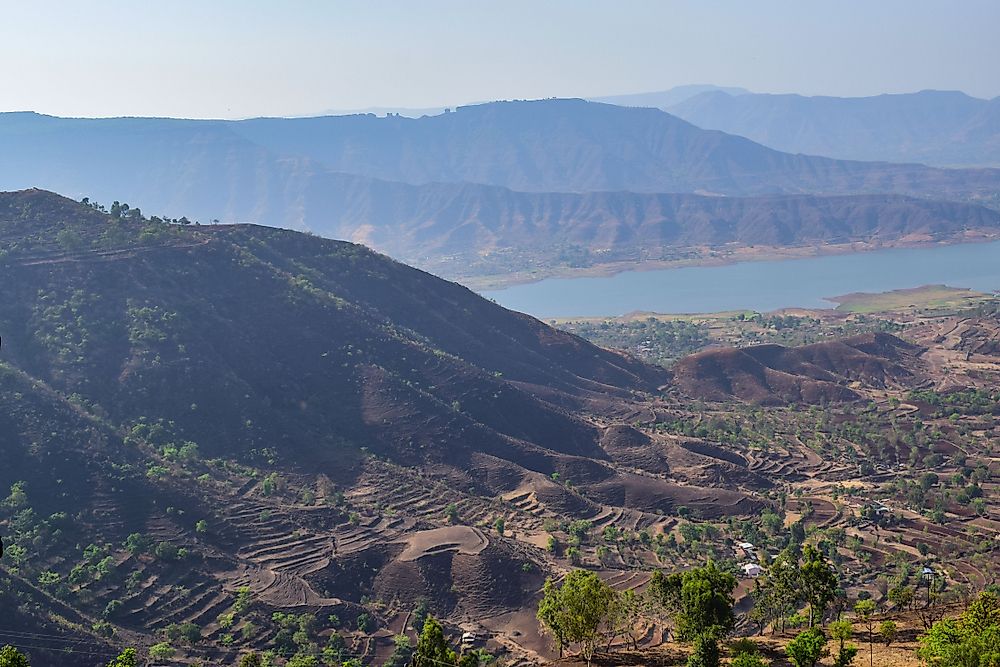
(705,652)
(162,651)
(746,654)
(11,657)
(808,647)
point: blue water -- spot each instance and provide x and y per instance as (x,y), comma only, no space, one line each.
(762,286)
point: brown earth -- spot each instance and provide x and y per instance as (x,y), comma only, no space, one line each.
(822,372)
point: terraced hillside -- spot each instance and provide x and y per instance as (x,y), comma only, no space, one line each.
(217,439)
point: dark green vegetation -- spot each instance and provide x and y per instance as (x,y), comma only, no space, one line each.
(553,184)
(973,638)
(652,339)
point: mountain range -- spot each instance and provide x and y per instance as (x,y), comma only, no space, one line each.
(514,178)
(943,128)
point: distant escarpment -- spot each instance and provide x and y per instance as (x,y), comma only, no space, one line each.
(496,187)
(462,230)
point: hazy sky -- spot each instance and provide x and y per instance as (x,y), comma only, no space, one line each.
(238,58)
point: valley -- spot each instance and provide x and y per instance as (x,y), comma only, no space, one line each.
(674,343)
(229,438)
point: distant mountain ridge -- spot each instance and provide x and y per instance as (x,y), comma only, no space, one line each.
(567,145)
(511,177)
(541,146)
(944,128)
(663,99)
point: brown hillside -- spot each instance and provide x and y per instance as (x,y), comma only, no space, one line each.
(772,374)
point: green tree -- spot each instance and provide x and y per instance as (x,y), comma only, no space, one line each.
(865,611)
(818,580)
(901,596)
(972,640)
(705,602)
(782,586)
(842,631)
(251,659)
(11,657)
(705,651)
(126,658)
(983,614)
(807,648)
(162,651)
(474,658)
(402,652)
(576,611)
(432,647)
(550,615)
(887,631)
(626,610)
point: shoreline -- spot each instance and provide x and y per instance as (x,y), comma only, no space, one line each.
(856,303)
(714,256)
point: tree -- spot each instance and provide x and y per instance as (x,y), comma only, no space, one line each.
(550,615)
(971,640)
(161,651)
(819,582)
(865,610)
(769,604)
(11,657)
(626,609)
(251,659)
(126,658)
(576,611)
(842,631)
(983,614)
(432,647)
(706,602)
(807,648)
(901,596)
(401,652)
(887,631)
(782,587)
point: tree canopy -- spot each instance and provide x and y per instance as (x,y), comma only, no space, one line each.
(575,612)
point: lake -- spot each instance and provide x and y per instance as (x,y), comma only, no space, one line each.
(762,286)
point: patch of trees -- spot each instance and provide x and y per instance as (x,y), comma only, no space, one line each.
(971,639)
(654,340)
(586,612)
(792,581)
